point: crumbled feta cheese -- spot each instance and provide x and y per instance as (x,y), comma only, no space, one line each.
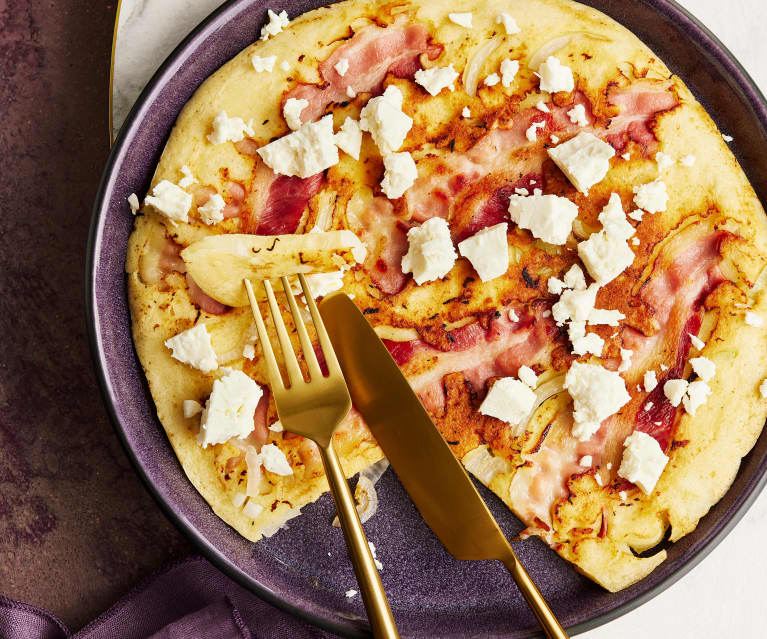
(651,197)
(674,390)
(663,160)
(635,241)
(555,76)
(575,305)
(305,152)
(554,139)
(229,410)
(292,111)
(285,65)
(263,64)
(643,461)
(188,178)
(626,156)
(541,106)
(586,461)
(276,427)
(342,66)
(528,376)
(605,254)
(274,460)
(508,400)
(697,342)
(625,360)
(636,214)
(574,278)
(466,112)
(555,285)
(584,159)
(763,389)
(613,219)
(350,593)
(462,19)
(508,22)
(648,406)
(687,160)
(191,408)
(513,315)
(611,317)
(521,191)
(249,351)
(547,217)
(703,367)
(597,393)
(229,129)
(212,211)
(170,200)
(349,138)
(584,343)
(430,252)
(622,495)
(727,138)
(133,203)
(277,22)
(531,133)
(752,319)
(697,394)
(492,79)
(598,479)
(193,347)
(322,284)
(663,367)
(400,174)
(488,251)
(650,381)
(577,115)
(378,564)
(350,92)
(509,70)
(437,78)
(384,119)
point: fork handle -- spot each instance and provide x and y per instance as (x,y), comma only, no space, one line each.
(551,627)
(373,594)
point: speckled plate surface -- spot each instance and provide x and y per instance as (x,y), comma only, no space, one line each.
(305,569)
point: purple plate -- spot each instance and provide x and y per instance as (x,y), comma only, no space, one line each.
(431,593)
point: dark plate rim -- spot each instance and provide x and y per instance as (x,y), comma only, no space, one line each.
(674,11)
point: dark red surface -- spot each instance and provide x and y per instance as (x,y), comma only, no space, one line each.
(77,528)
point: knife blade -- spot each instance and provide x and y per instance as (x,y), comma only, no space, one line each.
(433,477)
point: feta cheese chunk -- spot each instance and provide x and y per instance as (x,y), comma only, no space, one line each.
(227,129)
(249,351)
(576,305)
(586,461)
(277,22)
(277,427)
(349,138)
(462,19)
(663,160)
(191,408)
(400,174)
(605,316)
(508,22)
(555,76)
(265,64)
(613,219)
(752,319)
(528,376)
(509,70)
(350,92)
(703,367)
(384,119)
(687,161)
(322,284)
(625,364)
(650,381)
(577,115)
(532,132)
(213,210)
(697,394)
(188,179)
(727,138)
(133,203)
(274,460)
(430,252)
(492,80)
(674,390)
(541,106)
(342,66)
(170,200)
(763,389)
(292,111)
(584,159)
(508,400)
(605,256)
(229,410)
(466,112)
(437,78)
(547,217)
(193,347)
(697,342)
(643,461)
(488,251)
(350,593)
(305,152)
(651,197)
(583,342)
(574,278)
(597,394)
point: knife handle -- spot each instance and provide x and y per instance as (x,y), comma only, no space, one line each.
(551,627)
(373,593)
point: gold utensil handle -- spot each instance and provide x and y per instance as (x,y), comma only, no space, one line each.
(551,627)
(373,594)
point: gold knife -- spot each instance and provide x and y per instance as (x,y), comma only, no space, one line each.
(433,477)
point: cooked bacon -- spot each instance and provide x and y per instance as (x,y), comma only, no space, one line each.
(260,433)
(159,257)
(402,352)
(372,52)
(276,203)
(236,194)
(640,103)
(203,300)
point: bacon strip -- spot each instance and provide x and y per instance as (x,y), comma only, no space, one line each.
(640,104)
(203,300)
(371,53)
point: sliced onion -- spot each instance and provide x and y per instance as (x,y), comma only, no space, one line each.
(483,465)
(555,44)
(473,67)
(238,499)
(759,284)
(543,392)
(581,230)
(365,493)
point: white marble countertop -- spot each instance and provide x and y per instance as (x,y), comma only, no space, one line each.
(723,595)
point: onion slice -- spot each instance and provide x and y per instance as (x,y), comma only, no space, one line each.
(543,392)
(470,77)
(555,44)
(365,493)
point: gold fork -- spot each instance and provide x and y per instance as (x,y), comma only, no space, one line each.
(314,409)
